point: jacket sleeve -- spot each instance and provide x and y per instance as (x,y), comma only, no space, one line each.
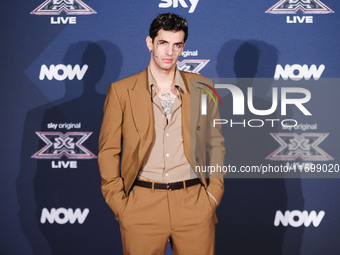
(110,137)
(216,151)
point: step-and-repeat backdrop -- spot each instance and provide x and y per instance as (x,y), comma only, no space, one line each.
(275,64)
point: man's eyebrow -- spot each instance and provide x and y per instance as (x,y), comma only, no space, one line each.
(161,40)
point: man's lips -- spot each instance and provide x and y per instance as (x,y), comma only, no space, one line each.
(167,60)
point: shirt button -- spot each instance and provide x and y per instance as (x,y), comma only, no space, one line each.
(167,134)
(198,128)
(166,174)
(167,155)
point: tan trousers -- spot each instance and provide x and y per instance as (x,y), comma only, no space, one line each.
(151,217)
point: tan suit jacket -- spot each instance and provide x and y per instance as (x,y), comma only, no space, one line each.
(127,134)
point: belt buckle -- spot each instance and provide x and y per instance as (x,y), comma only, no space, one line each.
(168,186)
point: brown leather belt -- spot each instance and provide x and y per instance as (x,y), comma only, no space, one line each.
(168,186)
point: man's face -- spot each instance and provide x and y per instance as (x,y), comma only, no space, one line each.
(166,48)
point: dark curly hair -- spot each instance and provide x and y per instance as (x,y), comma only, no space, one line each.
(168,22)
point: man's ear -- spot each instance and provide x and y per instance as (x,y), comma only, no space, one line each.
(149,43)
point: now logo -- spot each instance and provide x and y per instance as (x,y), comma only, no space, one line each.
(297,218)
(63,215)
(298,72)
(61,72)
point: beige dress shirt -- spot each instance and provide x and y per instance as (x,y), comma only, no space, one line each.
(166,161)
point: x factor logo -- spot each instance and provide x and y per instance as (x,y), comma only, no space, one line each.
(192,65)
(70,7)
(204,97)
(69,145)
(306,6)
(304,146)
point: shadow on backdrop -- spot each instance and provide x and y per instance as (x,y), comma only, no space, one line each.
(39,185)
(246,215)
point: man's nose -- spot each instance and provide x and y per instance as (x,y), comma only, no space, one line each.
(169,50)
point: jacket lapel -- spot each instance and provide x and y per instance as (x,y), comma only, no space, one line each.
(189,118)
(190,115)
(141,106)
(186,124)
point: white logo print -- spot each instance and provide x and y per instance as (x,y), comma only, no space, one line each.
(61,72)
(298,72)
(192,65)
(293,6)
(297,218)
(174,4)
(63,215)
(304,146)
(70,7)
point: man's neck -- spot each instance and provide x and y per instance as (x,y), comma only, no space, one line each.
(163,78)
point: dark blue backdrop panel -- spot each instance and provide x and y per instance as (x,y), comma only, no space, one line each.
(53,83)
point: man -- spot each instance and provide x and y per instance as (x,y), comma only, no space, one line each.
(144,152)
